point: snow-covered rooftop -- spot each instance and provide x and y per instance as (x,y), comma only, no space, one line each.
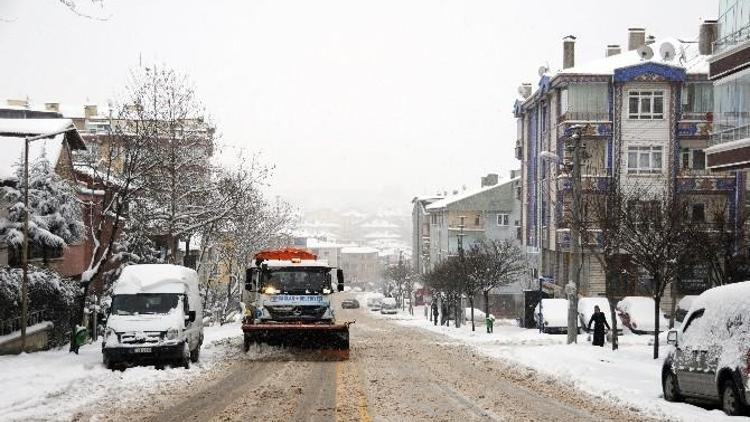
(452,199)
(13,131)
(686,56)
(358,250)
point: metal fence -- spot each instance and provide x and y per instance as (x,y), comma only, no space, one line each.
(14,324)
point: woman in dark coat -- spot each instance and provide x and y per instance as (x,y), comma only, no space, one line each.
(600,321)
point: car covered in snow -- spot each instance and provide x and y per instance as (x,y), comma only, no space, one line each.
(638,313)
(586,310)
(349,304)
(552,316)
(682,308)
(388,306)
(479,315)
(374,303)
(710,359)
(155,317)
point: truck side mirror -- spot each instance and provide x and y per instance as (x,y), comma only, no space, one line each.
(250,279)
(672,337)
(340,279)
(190,316)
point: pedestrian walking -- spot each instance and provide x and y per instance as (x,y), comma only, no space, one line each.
(490,321)
(444,314)
(435,311)
(600,321)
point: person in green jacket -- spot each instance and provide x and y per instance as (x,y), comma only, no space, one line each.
(490,321)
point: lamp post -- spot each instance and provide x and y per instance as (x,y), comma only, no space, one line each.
(25,247)
(574,146)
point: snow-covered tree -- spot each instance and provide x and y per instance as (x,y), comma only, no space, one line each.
(55,218)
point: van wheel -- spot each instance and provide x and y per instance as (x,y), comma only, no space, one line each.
(109,364)
(670,388)
(730,399)
(195,354)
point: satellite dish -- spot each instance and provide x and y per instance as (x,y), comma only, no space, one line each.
(667,51)
(645,52)
(542,70)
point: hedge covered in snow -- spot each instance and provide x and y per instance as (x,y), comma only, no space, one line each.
(47,290)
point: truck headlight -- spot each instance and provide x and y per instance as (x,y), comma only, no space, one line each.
(173,333)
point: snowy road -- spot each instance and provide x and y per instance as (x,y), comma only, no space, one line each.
(395,373)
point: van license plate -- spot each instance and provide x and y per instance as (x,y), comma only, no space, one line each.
(142,350)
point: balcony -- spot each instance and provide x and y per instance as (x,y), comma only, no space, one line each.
(704,181)
(596,183)
(591,129)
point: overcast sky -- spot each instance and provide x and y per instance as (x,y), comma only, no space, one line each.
(357,103)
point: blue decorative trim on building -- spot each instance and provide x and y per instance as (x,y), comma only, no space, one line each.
(650,71)
(544,84)
(518,109)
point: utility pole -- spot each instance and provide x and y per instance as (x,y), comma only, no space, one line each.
(571,289)
(461,226)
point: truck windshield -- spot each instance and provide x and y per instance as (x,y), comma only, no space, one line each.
(295,282)
(145,303)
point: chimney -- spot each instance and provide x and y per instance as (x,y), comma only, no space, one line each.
(18,103)
(490,180)
(613,50)
(707,36)
(569,52)
(89,111)
(636,38)
(52,107)
(526,90)
(650,40)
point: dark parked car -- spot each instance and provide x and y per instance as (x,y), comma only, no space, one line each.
(710,360)
(350,304)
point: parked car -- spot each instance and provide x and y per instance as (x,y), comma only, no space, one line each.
(155,318)
(388,306)
(374,303)
(638,314)
(586,310)
(710,359)
(682,307)
(350,304)
(554,316)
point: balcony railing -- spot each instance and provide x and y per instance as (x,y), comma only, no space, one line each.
(585,116)
(590,182)
(594,129)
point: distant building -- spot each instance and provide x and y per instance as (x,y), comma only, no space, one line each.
(420,226)
(490,212)
(361,266)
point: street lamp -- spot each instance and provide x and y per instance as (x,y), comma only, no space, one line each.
(25,248)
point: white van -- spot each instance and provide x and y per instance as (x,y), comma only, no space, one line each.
(155,318)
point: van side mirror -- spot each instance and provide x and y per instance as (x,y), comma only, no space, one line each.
(340,279)
(672,337)
(190,316)
(250,274)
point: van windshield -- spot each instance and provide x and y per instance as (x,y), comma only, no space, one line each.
(145,303)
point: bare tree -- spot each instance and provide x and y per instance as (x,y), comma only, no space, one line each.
(490,264)
(603,234)
(656,235)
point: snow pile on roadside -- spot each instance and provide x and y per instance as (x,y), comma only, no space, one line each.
(628,377)
(53,385)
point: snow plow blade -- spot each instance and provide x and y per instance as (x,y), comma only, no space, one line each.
(330,341)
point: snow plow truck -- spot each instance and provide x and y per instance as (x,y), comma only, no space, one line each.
(287,303)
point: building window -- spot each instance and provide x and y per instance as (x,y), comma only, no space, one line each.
(646,105)
(503,220)
(693,159)
(699,213)
(698,98)
(477,219)
(588,101)
(645,160)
